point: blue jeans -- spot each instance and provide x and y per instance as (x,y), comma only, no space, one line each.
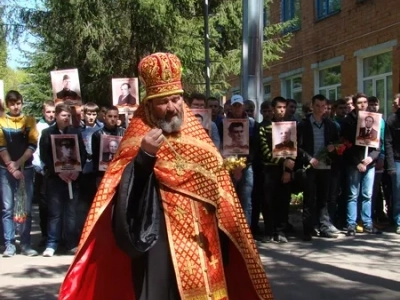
(396,194)
(62,213)
(363,182)
(244,189)
(9,186)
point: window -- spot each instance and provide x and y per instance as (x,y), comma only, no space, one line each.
(267,91)
(329,82)
(292,88)
(325,8)
(235,91)
(376,77)
(291,12)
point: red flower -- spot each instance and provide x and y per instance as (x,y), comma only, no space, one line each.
(340,149)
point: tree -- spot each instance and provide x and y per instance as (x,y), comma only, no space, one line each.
(3,47)
(106,39)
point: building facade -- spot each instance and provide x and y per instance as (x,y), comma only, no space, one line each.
(338,48)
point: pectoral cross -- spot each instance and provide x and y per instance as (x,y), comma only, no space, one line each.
(214,262)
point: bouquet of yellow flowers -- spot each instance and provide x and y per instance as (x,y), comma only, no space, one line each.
(235,165)
(233,162)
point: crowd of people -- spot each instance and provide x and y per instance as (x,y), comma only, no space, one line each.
(349,191)
(343,190)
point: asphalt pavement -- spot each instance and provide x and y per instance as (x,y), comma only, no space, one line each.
(365,267)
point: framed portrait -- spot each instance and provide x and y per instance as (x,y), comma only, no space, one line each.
(125,93)
(109,145)
(204,117)
(66,155)
(284,139)
(368,129)
(236,137)
(66,87)
(2,101)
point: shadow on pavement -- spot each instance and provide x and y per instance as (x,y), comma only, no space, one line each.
(346,268)
(39,271)
(30,292)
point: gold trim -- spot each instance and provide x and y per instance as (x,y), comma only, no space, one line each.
(194,207)
(171,241)
(187,166)
(173,92)
(256,260)
(216,295)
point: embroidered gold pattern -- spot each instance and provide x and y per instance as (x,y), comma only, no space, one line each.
(214,262)
(206,182)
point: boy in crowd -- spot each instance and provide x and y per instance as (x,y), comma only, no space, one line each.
(61,208)
(249,108)
(340,111)
(48,115)
(291,110)
(276,179)
(89,125)
(315,134)
(243,179)
(198,101)
(392,147)
(378,214)
(360,170)
(110,128)
(18,141)
(257,195)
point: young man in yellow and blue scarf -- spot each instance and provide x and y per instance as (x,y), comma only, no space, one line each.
(18,141)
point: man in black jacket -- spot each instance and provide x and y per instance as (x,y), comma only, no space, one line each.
(110,128)
(316,136)
(257,196)
(243,178)
(277,174)
(392,148)
(360,170)
(61,207)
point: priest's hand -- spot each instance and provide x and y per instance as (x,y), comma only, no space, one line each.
(152,141)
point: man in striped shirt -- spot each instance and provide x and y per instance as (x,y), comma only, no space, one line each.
(277,177)
(316,136)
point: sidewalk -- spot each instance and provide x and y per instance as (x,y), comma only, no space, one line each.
(361,268)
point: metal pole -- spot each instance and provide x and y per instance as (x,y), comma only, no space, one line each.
(207,49)
(252,70)
(245,50)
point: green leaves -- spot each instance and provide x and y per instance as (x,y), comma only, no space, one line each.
(107,38)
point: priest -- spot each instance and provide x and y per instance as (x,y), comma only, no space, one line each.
(166,223)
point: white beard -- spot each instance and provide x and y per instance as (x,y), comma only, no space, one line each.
(174,125)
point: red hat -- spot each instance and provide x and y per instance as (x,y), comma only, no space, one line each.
(160,73)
